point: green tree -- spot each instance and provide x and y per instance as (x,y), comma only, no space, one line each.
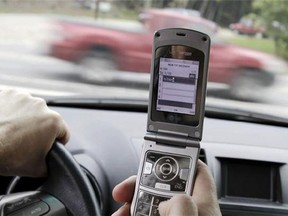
(275,14)
(223,12)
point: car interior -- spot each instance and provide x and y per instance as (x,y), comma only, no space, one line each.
(244,139)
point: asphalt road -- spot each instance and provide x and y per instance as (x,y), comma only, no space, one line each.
(47,76)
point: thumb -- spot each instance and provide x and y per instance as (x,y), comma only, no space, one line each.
(179,205)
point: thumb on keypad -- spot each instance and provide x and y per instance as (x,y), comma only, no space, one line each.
(179,205)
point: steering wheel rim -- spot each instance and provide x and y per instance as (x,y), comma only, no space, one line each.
(65,173)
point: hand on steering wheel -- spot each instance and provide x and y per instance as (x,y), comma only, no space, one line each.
(66,191)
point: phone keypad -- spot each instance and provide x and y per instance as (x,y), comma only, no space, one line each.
(166,172)
(147,204)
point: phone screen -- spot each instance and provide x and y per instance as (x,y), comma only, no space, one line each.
(178,71)
(177,85)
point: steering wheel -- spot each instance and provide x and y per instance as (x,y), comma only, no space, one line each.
(66,191)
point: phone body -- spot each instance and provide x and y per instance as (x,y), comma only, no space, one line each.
(177,95)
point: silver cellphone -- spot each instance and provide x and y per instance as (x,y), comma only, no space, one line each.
(177,95)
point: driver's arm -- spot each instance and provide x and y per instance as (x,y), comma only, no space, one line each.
(28,129)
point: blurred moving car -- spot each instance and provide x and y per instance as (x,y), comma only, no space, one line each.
(247,27)
(175,17)
(105,47)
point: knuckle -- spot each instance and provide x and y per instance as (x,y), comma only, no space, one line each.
(9,91)
(55,119)
(40,101)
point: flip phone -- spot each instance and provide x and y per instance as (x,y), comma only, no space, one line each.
(177,94)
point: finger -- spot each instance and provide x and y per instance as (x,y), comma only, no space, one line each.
(123,211)
(63,133)
(204,188)
(177,206)
(123,192)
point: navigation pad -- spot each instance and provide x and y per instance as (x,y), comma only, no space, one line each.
(166,168)
(165,172)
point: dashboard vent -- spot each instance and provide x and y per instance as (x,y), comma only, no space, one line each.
(202,156)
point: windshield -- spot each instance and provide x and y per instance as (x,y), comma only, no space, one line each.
(101,49)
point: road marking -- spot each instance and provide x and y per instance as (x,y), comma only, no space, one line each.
(36,91)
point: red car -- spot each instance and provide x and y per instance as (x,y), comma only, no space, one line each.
(105,48)
(247,27)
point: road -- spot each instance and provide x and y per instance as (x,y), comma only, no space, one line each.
(35,73)
(47,76)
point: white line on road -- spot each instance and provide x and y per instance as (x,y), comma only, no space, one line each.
(36,91)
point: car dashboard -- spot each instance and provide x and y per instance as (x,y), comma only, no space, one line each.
(248,160)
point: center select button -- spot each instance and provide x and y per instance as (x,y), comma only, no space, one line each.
(166,168)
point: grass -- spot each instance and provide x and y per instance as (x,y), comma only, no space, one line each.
(262,44)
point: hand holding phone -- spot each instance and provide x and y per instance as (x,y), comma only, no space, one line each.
(168,161)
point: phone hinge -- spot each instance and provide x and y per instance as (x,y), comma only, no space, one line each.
(172,139)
